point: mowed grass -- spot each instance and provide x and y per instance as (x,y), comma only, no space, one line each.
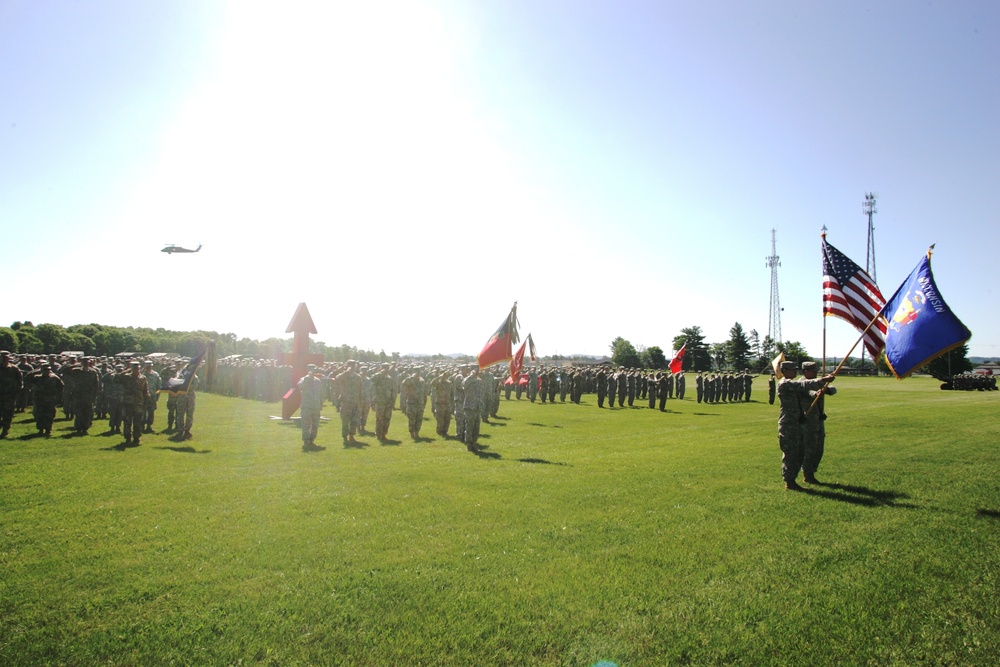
(577,535)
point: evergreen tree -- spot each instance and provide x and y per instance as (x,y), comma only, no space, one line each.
(738,348)
(696,356)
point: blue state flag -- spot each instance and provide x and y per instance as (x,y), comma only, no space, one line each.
(919,324)
(181,383)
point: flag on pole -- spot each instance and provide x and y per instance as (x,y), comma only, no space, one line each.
(181,383)
(499,346)
(531,348)
(776,363)
(517,363)
(677,363)
(920,325)
(852,295)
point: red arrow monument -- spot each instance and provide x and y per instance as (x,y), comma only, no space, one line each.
(299,358)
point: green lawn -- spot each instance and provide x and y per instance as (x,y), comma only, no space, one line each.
(578,535)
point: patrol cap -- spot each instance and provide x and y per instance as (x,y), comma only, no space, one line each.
(808,365)
(311,368)
(788,365)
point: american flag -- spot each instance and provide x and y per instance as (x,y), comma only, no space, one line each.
(850,294)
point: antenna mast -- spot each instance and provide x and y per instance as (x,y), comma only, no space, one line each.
(774,318)
(868,208)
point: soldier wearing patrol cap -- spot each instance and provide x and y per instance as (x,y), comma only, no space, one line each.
(791,417)
(135,393)
(311,390)
(813,430)
(11,382)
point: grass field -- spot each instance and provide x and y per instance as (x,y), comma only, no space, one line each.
(577,536)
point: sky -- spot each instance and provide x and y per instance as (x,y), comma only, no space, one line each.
(411,169)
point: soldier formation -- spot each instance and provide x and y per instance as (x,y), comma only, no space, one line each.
(89,388)
(971,382)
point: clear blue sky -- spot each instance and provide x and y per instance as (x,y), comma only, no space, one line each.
(411,169)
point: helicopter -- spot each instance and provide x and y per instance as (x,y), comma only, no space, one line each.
(171,248)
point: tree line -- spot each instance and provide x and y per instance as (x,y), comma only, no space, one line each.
(749,352)
(107,341)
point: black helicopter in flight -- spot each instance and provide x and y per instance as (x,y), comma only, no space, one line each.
(171,249)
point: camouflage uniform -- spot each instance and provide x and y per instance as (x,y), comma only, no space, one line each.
(813,428)
(11,383)
(350,391)
(443,395)
(383,397)
(112,399)
(790,420)
(135,392)
(312,390)
(472,388)
(48,388)
(413,398)
(185,404)
(86,386)
(602,387)
(155,383)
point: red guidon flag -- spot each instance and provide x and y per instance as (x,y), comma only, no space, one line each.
(499,346)
(517,363)
(677,363)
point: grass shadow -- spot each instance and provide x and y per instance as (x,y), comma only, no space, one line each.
(186,450)
(541,461)
(859,495)
(391,443)
(992,514)
(355,445)
(483,454)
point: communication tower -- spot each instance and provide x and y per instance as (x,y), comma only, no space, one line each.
(774,319)
(868,206)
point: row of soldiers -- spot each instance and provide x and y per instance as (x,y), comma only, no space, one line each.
(87,388)
(971,382)
(468,395)
(724,387)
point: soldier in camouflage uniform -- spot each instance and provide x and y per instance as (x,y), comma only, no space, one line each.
(350,392)
(112,398)
(184,405)
(443,395)
(312,390)
(681,385)
(602,386)
(48,388)
(532,384)
(700,387)
(11,383)
(651,385)
(135,392)
(790,420)
(155,383)
(383,398)
(813,429)
(169,373)
(458,400)
(86,386)
(472,387)
(413,398)
(367,395)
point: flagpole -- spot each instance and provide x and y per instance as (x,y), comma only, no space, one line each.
(822,236)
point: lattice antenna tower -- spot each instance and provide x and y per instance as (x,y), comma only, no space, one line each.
(868,207)
(774,318)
